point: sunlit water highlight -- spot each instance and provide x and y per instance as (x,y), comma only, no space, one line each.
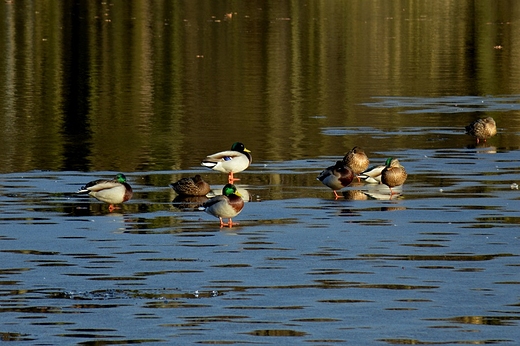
(437,263)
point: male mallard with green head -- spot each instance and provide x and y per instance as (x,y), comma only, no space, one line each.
(357,160)
(230,161)
(337,177)
(394,174)
(115,191)
(227,205)
(482,129)
(193,186)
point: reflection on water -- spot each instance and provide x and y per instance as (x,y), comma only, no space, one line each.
(300,266)
(106,86)
(149,88)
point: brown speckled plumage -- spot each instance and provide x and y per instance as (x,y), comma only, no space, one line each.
(482,129)
(357,160)
(194,186)
(394,174)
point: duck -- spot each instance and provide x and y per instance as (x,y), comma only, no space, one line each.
(193,186)
(115,191)
(394,174)
(230,161)
(337,177)
(372,175)
(482,129)
(357,160)
(227,205)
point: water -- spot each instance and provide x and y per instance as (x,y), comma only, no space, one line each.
(436,264)
(149,89)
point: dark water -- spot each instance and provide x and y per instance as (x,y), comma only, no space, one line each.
(149,89)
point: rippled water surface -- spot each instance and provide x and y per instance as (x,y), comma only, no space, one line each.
(437,263)
(149,88)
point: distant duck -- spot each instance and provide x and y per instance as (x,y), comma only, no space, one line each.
(115,191)
(394,174)
(357,160)
(194,186)
(227,205)
(337,177)
(373,174)
(482,129)
(230,161)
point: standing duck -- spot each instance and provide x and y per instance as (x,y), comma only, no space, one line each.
(230,161)
(337,177)
(357,160)
(194,186)
(115,191)
(227,205)
(482,129)
(394,174)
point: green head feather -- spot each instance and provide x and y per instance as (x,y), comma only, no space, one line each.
(120,177)
(240,147)
(229,189)
(388,161)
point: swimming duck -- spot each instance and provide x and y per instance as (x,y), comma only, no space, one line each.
(373,174)
(230,161)
(227,205)
(337,177)
(115,191)
(394,174)
(194,186)
(357,160)
(482,129)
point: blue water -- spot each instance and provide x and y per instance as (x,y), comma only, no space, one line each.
(437,263)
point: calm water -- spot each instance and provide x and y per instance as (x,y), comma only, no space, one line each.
(150,88)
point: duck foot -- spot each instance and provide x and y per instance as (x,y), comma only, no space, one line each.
(229,224)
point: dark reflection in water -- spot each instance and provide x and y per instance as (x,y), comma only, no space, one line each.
(136,87)
(150,88)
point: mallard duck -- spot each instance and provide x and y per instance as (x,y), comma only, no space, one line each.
(373,174)
(115,191)
(230,161)
(227,205)
(482,129)
(394,174)
(336,177)
(194,186)
(357,160)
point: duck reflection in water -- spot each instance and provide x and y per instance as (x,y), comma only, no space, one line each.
(378,192)
(189,203)
(191,192)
